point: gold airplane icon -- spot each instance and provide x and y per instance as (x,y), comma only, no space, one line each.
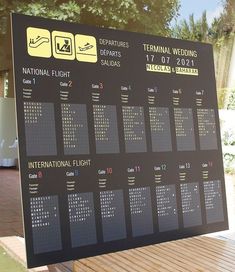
(86,47)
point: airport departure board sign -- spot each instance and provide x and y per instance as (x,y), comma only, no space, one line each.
(119,139)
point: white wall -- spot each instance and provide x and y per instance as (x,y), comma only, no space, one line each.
(7,131)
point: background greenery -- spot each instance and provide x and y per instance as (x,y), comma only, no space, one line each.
(149,16)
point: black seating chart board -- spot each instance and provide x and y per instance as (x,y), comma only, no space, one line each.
(119,139)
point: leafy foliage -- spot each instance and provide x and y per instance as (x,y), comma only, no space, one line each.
(69,11)
(221,28)
(192,30)
(149,16)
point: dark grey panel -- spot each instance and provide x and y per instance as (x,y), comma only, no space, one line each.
(134,129)
(113,215)
(141,211)
(160,129)
(40,129)
(167,207)
(191,207)
(75,131)
(184,129)
(106,131)
(207,129)
(213,201)
(45,224)
(82,219)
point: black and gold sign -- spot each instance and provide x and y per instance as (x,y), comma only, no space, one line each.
(119,139)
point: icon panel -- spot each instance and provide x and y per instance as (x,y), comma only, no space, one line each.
(86,49)
(63,45)
(38,42)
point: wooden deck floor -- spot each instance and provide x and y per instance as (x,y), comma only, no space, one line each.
(10,203)
(188,255)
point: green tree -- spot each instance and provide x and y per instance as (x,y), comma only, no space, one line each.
(204,27)
(192,30)
(149,16)
(67,10)
(229,13)
(222,28)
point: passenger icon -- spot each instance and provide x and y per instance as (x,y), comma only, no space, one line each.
(63,45)
(38,42)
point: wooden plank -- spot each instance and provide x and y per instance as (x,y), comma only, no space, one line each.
(168,264)
(146,265)
(117,262)
(214,246)
(135,265)
(217,242)
(172,258)
(163,264)
(197,254)
(219,247)
(214,241)
(110,263)
(177,255)
(94,265)
(210,252)
(227,249)
(186,257)
(220,257)
(197,257)
(79,267)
